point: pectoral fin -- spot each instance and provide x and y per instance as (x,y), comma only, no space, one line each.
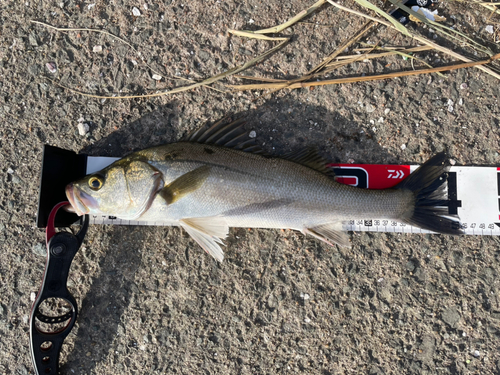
(185,184)
(207,231)
(331,233)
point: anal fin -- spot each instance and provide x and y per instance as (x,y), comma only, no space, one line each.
(207,231)
(331,233)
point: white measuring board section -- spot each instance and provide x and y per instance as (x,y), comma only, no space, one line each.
(476,199)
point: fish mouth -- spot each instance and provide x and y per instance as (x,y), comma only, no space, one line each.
(81,202)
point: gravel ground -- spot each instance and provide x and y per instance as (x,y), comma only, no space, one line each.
(151,300)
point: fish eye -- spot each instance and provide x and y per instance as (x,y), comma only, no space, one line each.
(96,182)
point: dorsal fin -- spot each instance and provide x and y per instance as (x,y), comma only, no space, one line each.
(309,157)
(232,135)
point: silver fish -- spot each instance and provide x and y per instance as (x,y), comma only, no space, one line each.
(218,178)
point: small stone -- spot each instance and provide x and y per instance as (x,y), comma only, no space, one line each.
(306,296)
(83,128)
(90,6)
(51,67)
(145,6)
(403,147)
(32,39)
(251,21)
(136,12)
(252,134)
(272,302)
(307,320)
(387,110)
(476,353)
(16,180)
(369,108)
(32,296)
(460,101)
(97,49)
(381,119)
(463,86)
(451,316)
(450,105)
(489,29)
(39,249)
(156,77)
(10,171)
(385,295)
(452,162)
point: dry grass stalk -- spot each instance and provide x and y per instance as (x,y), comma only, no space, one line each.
(176,90)
(385,54)
(277,86)
(421,39)
(67,29)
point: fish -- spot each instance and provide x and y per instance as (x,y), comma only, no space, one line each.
(218,177)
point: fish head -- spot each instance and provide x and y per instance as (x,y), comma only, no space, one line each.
(125,189)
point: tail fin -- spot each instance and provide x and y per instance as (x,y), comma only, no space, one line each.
(431,202)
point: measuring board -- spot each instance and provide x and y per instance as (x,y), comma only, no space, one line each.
(474,194)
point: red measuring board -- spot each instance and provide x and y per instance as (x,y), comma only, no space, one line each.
(370,176)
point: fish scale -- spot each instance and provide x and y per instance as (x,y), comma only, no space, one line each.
(309,198)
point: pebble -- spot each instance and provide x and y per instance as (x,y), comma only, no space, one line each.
(386,111)
(489,29)
(307,320)
(403,147)
(476,353)
(32,296)
(305,296)
(463,86)
(39,249)
(252,134)
(156,77)
(83,128)
(97,49)
(51,67)
(369,108)
(136,12)
(10,171)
